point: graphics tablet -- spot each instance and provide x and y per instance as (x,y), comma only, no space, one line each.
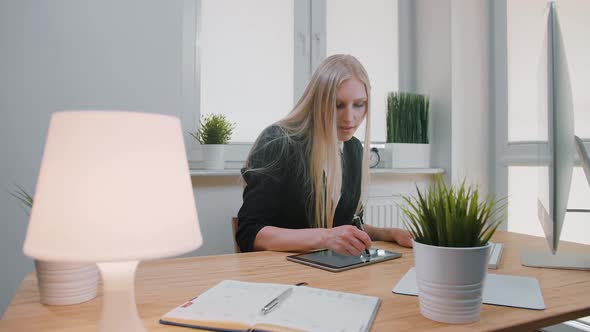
(329,260)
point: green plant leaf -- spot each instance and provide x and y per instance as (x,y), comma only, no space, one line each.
(24,198)
(214,129)
(452,216)
(407,118)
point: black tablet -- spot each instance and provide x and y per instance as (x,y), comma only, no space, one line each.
(329,260)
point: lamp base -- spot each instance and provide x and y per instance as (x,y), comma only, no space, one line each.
(561,260)
(119,311)
(66,283)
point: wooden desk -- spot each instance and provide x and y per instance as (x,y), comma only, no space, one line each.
(164,284)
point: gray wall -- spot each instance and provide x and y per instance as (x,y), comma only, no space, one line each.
(471,91)
(452,64)
(434,74)
(77,54)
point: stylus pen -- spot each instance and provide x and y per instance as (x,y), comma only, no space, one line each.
(359,224)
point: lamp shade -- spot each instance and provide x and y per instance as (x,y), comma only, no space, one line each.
(113,186)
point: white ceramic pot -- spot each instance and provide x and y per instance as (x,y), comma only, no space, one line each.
(213,156)
(450,282)
(406,155)
(66,283)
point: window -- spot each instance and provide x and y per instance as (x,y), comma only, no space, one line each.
(522,207)
(255,57)
(367,30)
(246,53)
(519,130)
(526,38)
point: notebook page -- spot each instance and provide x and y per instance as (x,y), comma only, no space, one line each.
(231,301)
(313,309)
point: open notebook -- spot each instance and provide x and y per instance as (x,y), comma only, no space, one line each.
(236,306)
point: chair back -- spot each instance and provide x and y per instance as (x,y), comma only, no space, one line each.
(234,228)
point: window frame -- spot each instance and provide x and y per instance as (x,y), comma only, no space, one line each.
(304,27)
(310,25)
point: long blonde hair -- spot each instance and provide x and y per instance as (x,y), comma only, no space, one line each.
(313,121)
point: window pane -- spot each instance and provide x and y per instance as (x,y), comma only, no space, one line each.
(367,30)
(246,50)
(575,27)
(522,205)
(526,51)
(527,38)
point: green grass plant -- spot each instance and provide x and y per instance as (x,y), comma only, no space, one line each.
(214,129)
(407,118)
(453,216)
(24,198)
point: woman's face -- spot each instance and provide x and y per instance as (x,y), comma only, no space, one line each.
(351,107)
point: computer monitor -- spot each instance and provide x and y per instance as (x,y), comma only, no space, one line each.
(557,157)
(584,160)
(585,163)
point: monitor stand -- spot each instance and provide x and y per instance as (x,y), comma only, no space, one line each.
(562,260)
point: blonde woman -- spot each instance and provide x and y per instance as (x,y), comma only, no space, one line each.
(306,175)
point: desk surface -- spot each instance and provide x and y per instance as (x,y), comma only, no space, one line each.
(164,284)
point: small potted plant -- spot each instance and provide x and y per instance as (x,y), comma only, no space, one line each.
(61,283)
(407,130)
(451,228)
(214,132)
(24,198)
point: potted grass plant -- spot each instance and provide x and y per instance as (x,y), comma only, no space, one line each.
(61,283)
(407,130)
(215,130)
(24,198)
(451,227)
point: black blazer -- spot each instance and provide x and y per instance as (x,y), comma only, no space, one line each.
(280,196)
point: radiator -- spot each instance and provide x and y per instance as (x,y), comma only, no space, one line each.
(383,211)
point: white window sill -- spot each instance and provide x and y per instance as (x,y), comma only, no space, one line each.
(215,172)
(407,171)
(374,171)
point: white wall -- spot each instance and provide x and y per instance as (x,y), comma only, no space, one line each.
(470,65)
(452,66)
(58,55)
(433,74)
(218,200)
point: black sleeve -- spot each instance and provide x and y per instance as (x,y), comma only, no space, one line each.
(262,198)
(357,179)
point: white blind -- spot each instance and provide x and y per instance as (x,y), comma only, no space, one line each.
(246,50)
(368,30)
(527,35)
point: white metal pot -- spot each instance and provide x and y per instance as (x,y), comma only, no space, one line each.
(66,283)
(213,156)
(450,282)
(409,155)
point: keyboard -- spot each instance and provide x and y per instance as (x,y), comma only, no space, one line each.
(495,255)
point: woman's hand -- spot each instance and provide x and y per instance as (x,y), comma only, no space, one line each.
(402,237)
(397,235)
(346,240)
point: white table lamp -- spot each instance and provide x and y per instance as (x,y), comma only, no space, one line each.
(113,188)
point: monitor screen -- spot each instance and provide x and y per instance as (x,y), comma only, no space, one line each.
(558,155)
(556,174)
(584,158)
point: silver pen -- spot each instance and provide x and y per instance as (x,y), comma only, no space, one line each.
(274,302)
(358,222)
